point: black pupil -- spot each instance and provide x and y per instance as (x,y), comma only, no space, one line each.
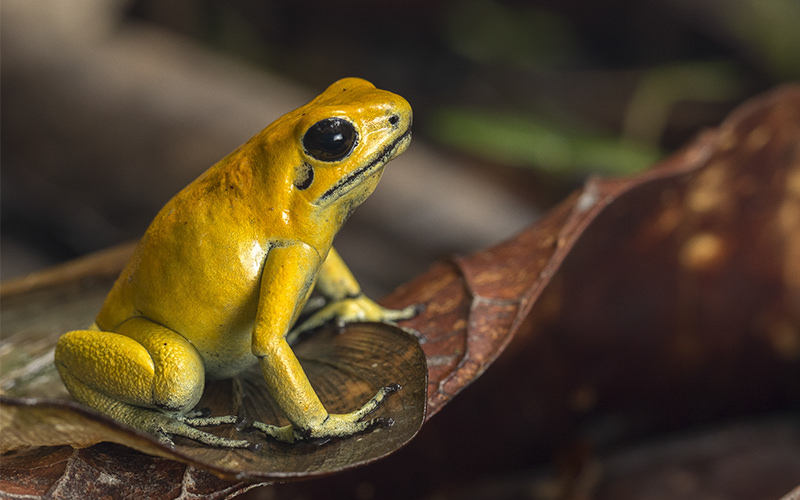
(330,140)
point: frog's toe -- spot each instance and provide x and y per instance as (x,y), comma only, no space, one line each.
(392,315)
(342,426)
(352,423)
(375,401)
(204,420)
(335,425)
(167,427)
(285,434)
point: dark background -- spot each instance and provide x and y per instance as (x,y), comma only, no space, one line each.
(108,108)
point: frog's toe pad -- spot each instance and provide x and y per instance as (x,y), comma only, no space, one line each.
(393,387)
(384,422)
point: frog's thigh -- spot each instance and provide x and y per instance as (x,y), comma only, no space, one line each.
(145,364)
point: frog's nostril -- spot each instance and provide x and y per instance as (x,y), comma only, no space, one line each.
(394,119)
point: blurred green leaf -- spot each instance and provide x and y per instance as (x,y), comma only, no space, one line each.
(522,140)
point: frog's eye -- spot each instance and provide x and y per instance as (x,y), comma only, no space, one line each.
(330,140)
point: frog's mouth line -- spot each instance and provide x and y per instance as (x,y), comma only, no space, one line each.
(388,153)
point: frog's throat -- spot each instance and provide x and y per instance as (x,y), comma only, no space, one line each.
(384,156)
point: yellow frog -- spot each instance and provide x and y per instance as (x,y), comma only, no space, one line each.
(226,267)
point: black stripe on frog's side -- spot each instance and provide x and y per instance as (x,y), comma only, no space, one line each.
(350,179)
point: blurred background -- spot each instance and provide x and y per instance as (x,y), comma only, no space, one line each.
(111,106)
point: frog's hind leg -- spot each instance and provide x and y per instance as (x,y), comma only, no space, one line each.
(145,375)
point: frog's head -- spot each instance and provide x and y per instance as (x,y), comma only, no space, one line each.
(346,136)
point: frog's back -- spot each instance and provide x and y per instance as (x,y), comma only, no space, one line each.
(197,266)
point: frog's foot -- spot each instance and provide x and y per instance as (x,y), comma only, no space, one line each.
(351,310)
(334,425)
(166,427)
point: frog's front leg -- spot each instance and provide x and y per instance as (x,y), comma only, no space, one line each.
(346,302)
(287,277)
(144,375)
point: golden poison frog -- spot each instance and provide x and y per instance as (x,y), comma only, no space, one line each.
(226,267)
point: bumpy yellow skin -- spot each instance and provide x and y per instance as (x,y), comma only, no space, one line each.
(222,273)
